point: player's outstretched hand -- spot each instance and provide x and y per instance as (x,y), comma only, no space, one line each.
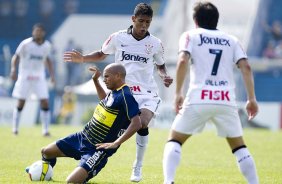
(110,145)
(73,56)
(252,108)
(167,80)
(96,72)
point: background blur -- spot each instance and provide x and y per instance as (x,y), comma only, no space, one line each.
(85,24)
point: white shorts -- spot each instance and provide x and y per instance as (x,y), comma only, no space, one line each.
(149,102)
(24,88)
(193,118)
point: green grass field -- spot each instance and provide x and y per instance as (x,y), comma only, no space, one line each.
(205,159)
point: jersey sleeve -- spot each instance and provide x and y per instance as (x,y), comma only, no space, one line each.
(159,56)
(109,46)
(239,51)
(185,42)
(130,106)
(20,49)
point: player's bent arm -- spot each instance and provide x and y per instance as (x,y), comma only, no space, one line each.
(164,76)
(100,91)
(181,70)
(14,63)
(134,126)
(247,77)
(162,70)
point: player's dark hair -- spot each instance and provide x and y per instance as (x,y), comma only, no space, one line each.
(38,25)
(206,15)
(143,9)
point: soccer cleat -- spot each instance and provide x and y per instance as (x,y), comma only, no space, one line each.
(136,175)
(15,132)
(47,134)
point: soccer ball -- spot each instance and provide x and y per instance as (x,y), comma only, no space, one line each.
(40,171)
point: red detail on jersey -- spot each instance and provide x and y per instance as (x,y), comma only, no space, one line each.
(108,40)
(32,78)
(215,95)
(162,48)
(187,40)
(135,88)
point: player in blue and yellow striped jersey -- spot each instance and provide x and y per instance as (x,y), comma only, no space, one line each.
(115,119)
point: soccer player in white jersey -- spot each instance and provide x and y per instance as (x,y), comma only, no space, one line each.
(139,51)
(210,97)
(31,55)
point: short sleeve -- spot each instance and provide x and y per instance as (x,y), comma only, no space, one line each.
(130,105)
(185,43)
(159,56)
(109,46)
(239,52)
(20,49)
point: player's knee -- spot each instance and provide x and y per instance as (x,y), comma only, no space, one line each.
(46,152)
(145,123)
(43,151)
(69,180)
(143,131)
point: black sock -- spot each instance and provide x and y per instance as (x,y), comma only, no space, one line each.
(51,161)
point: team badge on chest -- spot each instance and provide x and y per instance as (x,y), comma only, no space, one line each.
(149,48)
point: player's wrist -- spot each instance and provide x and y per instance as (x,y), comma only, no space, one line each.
(252,99)
(117,143)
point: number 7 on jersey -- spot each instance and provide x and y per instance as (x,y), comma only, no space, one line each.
(217,53)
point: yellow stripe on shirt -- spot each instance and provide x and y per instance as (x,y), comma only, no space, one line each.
(103,116)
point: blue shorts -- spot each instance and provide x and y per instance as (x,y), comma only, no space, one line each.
(78,147)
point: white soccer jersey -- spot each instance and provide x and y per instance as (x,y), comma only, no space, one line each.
(213,56)
(138,58)
(32,58)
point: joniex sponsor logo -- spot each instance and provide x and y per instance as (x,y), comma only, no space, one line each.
(211,40)
(35,57)
(132,57)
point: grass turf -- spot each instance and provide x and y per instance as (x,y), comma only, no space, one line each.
(205,158)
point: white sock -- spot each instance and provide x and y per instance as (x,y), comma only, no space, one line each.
(246,165)
(16,119)
(171,160)
(45,120)
(141,145)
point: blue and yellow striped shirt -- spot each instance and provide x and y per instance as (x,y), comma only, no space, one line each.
(111,116)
